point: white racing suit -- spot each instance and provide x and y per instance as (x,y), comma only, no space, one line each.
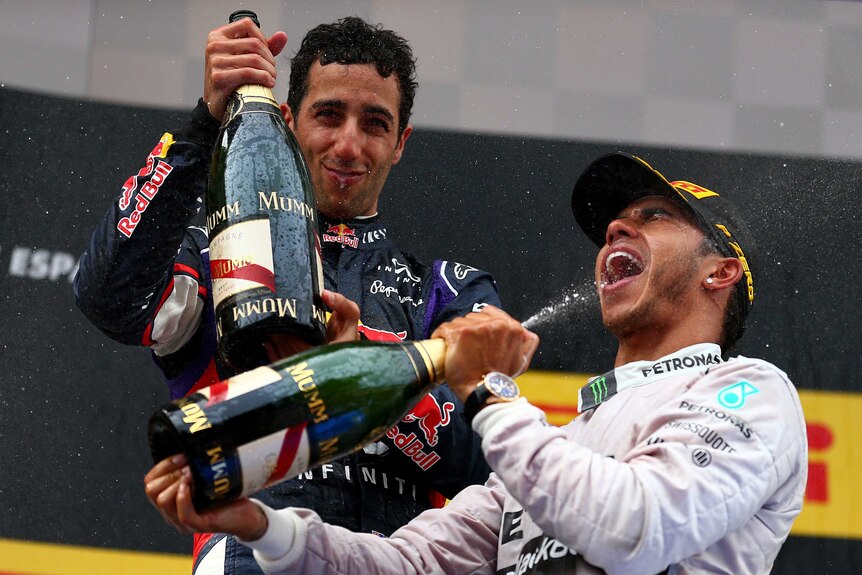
(688,464)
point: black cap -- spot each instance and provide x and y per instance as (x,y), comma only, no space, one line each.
(240,14)
(614,181)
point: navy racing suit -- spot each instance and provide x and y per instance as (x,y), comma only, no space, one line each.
(144,280)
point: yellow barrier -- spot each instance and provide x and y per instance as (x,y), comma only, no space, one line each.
(833,502)
(31,558)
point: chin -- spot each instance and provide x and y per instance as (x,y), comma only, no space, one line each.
(610,320)
(330,208)
(621,322)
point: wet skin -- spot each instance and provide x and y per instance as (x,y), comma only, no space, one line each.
(347,127)
(650,270)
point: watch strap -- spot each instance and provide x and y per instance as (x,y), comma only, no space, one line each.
(493,384)
(476,401)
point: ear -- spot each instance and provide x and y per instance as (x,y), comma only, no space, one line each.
(725,272)
(288,117)
(399,148)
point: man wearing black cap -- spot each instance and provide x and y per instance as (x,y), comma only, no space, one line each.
(683,460)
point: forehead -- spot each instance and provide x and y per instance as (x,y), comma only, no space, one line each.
(352,84)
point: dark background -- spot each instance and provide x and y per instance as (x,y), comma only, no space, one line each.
(74,404)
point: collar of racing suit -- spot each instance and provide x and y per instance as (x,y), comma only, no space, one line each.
(599,389)
(362,234)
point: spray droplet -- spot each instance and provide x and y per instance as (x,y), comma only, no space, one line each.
(574,300)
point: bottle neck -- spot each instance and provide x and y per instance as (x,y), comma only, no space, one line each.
(256,92)
(434,353)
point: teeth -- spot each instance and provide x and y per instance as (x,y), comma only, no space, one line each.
(620,255)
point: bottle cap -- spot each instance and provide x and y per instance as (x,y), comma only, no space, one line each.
(240,14)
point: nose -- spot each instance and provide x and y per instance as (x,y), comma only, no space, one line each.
(619,228)
(348,144)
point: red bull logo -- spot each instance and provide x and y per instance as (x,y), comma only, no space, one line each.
(147,192)
(381,334)
(431,417)
(159,172)
(341,234)
(131,185)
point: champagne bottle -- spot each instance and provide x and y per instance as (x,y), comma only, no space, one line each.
(274,422)
(265,263)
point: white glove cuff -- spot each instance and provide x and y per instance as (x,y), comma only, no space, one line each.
(284,541)
(495,414)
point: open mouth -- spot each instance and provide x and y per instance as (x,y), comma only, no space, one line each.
(620,265)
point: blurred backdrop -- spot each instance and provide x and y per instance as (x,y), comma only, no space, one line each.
(759,100)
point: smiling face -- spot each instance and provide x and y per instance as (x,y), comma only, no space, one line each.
(347,127)
(651,267)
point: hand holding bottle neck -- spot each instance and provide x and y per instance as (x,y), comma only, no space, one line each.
(482,342)
(226,65)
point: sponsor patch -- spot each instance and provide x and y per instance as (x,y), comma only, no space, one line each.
(142,196)
(372,236)
(381,334)
(341,234)
(734,396)
(682,362)
(545,554)
(701,457)
(461,271)
(431,417)
(741,425)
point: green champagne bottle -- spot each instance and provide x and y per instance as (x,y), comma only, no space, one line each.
(274,422)
(265,262)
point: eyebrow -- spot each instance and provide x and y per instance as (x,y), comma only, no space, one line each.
(379,110)
(342,105)
(667,207)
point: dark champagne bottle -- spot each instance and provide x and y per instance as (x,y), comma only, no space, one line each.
(274,422)
(265,262)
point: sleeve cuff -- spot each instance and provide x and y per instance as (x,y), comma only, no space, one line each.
(202,128)
(283,543)
(491,419)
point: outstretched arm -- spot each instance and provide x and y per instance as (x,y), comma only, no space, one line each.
(460,538)
(168,487)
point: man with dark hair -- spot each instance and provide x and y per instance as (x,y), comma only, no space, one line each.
(614,172)
(681,461)
(351,94)
(353,41)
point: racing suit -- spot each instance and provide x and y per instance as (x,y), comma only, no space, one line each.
(144,280)
(688,464)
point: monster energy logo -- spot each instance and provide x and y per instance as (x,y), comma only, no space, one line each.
(597,390)
(599,387)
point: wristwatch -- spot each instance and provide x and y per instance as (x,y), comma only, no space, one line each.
(493,384)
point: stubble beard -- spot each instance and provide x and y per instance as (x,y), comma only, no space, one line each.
(347,203)
(668,287)
(340,204)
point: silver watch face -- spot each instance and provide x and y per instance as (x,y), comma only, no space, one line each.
(502,385)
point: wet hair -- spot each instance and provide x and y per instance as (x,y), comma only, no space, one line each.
(733,325)
(352,40)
